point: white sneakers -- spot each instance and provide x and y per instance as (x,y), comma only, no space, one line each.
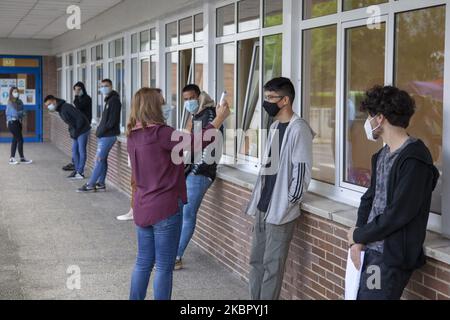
(127,216)
(13,161)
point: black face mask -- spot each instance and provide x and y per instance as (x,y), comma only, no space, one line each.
(271,108)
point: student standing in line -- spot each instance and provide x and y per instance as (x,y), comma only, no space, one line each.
(161,190)
(82,102)
(393,214)
(107,132)
(14,117)
(199,174)
(79,129)
(282,181)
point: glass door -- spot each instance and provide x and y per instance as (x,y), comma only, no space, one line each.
(28,82)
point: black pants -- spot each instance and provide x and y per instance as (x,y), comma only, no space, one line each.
(380,282)
(15,127)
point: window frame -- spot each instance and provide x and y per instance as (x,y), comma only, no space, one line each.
(344,191)
(246,163)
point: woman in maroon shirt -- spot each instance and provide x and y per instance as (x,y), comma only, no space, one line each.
(160,194)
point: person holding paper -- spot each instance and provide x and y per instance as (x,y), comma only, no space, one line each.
(283,179)
(393,214)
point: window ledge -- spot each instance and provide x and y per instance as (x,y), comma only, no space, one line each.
(436,246)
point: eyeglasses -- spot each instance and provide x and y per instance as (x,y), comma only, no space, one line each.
(271,98)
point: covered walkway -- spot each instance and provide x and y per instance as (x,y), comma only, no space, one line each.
(46,227)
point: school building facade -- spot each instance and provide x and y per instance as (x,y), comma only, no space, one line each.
(333,50)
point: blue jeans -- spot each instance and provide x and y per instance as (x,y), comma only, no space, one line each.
(197,185)
(79,152)
(104,146)
(157,244)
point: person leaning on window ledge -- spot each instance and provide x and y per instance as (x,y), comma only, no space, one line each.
(393,214)
(282,182)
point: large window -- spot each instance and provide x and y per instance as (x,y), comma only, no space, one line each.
(226,61)
(364,68)
(342,57)
(116,67)
(242,68)
(272,58)
(319,97)
(143,59)
(184,62)
(419,69)
(249,103)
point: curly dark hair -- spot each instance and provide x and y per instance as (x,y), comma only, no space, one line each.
(396,105)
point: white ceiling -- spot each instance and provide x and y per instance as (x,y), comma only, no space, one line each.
(44,19)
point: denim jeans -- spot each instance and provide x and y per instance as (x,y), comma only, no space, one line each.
(79,152)
(157,245)
(104,146)
(196,185)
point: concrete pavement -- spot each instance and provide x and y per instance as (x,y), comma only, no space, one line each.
(46,227)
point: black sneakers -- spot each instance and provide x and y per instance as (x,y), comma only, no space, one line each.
(72,175)
(100,187)
(86,189)
(25,161)
(69,167)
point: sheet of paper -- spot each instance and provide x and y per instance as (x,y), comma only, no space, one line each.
(352,278)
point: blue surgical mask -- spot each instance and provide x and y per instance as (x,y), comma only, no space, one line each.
(191,106)
(167,111)
(105,90)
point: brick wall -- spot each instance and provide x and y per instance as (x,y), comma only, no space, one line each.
(315,268)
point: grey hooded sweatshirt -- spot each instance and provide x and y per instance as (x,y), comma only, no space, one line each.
(293,169)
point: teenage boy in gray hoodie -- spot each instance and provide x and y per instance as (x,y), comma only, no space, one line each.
(282,181)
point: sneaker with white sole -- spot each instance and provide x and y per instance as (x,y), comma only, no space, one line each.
(25,161)
(13,161)
(76,176)
(100,187)
(178,264)
(72,175)
(127,216)
(86,189)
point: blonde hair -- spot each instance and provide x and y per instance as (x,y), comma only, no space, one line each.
(146,109)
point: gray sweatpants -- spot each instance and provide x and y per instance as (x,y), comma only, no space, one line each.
(270,247)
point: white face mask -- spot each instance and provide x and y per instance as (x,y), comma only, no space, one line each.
(15,94)
(51,107)
(369,130)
